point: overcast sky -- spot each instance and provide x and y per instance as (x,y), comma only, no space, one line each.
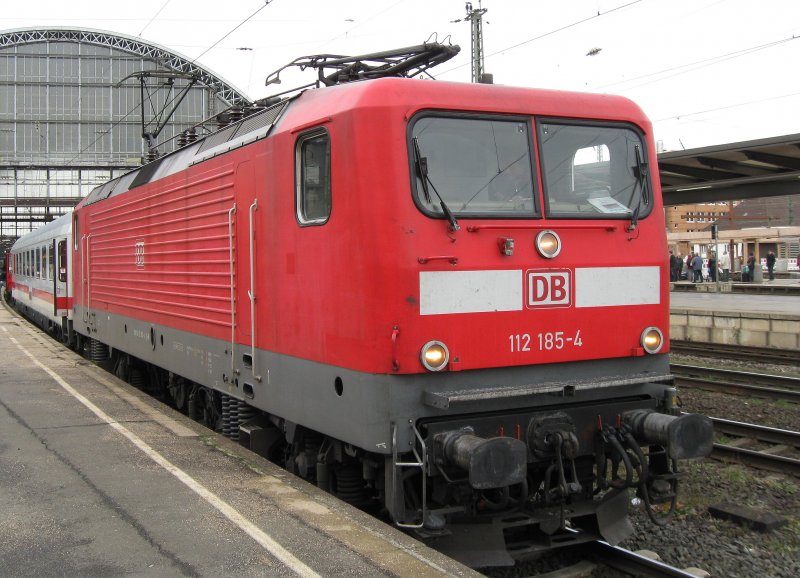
(706,72)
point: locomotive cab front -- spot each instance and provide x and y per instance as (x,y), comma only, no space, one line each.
(530,344)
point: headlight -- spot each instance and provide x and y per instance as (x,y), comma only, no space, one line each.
(434,355)
(652,339)
(548,244)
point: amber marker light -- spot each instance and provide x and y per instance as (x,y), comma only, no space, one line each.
(548,244)
(652,339)
(434,356)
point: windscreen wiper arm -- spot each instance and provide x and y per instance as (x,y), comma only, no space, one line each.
(643,177)
(422,170)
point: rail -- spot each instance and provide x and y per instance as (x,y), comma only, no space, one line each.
(634,564)
(777,387)
(738,352)
(769,458)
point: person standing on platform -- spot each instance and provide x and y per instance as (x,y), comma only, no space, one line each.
(672,260)
(725,265)
(712,267)
(751,266)
(697,269)
(771,265)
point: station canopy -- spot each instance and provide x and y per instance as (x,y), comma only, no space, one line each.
(758,168)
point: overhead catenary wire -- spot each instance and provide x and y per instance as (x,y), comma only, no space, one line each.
(105,133)
(138,106)
(546,34)
(234,29)
(154,17)
(696,65)
(726,107)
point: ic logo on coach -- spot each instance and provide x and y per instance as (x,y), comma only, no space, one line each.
(548,288)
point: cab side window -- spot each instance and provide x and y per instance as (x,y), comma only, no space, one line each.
(313,178)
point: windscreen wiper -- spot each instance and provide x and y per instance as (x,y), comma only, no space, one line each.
(643,178)
(642,175)
(422,170)
(634,219)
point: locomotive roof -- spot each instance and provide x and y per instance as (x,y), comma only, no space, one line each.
(421,94)
(245,131)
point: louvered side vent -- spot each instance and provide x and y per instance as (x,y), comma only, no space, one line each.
(245,131)
(218,138)
(261,119)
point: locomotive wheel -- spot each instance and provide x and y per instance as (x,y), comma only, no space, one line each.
(212,409)
(121,368)
(180,396)
(194,404)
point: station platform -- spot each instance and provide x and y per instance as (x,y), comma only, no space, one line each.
(97,478)
(744,316)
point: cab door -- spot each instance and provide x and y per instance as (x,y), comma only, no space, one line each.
(246,271)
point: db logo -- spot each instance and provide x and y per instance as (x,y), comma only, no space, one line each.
(548,288)
(139,250)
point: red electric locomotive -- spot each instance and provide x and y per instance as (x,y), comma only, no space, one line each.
(448,300)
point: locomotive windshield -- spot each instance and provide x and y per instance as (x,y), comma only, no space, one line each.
(593,171)
(467,166)
(473,166)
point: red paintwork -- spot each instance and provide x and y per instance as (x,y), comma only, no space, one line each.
(335,293)
(63,303)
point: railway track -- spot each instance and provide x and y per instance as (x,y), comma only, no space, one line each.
(768,447)
(635,564)
(715,350)
(776,387)
(599,553)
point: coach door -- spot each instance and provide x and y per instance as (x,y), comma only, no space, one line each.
(57,270)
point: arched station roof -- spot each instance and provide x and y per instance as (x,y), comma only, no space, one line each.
(165,57)
(68,123)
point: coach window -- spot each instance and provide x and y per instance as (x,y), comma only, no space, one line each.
(38,262)
(477,166)
(51,263)
(594,171)
(313,177)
